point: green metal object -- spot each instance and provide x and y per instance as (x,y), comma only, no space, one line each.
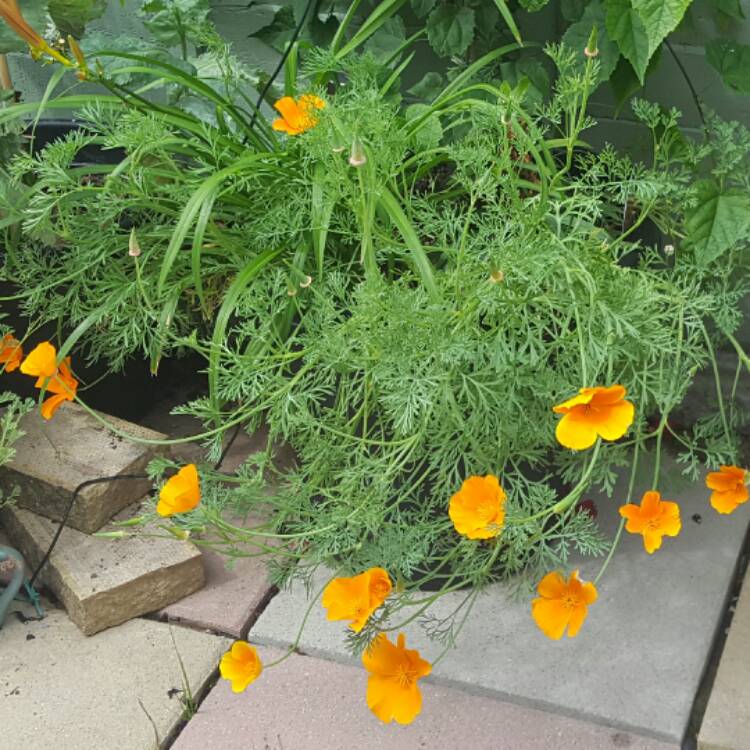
(11,559)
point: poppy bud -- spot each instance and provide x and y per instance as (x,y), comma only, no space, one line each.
(591,49)
(134,248)
(357,157)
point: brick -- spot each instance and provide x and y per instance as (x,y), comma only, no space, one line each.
(313,704)
(104,582)
(230,599)
(62,690)
(55,456)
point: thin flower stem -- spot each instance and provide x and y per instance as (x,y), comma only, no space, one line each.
(717,381)
(292,649)
(562,505)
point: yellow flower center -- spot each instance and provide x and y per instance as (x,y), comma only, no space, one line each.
(652,524)
(570,601)
(405,675)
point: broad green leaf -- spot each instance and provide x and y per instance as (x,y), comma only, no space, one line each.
(732,60)
(422,7)
(660,18)
(572,10)
(533,71)
(172,21)
(429,87)
(450,29)
(72,16)
(430,132)
(577,37)
(624,26)
(624,80)
(35,13)
(720,219)
(388,38)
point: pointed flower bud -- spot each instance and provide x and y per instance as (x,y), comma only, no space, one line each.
(134,247)
(357,156)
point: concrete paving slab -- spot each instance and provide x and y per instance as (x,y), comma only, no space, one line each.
(639,658)
(726,723)
(62,690)
(103,582)
(54,456)
(312,704)
(230,599)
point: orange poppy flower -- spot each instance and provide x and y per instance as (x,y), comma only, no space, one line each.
(392,691)
(562,604)
(594,412)
(241,665)
(181,493)
(356,598)
(297,116)
(42,362)
(478,508)
(654,518)
(11,352)
(729,488)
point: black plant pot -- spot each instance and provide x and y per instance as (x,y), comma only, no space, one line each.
(134,392)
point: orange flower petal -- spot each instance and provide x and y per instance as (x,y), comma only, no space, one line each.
(41,361)
(552,586)
(240,665)
(181,493)
(52,404)
(577,616)
(608,395)
(728,477)
(727,502)
(288,108)
(574,431)
(551,616)
(613,421)
(392,691)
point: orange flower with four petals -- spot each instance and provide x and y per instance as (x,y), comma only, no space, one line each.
(729,486)
(594,412)
(241,665)
(181,493)
(11,352)
(297,116)
(356,598)
(562,604)
(58,380)
(654,518)
(478,508)
(392,690)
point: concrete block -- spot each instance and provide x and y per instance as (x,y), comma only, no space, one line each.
(230,599)
(312,704)
(104,582)
(59,689)
(55,456)
(640,656)
(726,723)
